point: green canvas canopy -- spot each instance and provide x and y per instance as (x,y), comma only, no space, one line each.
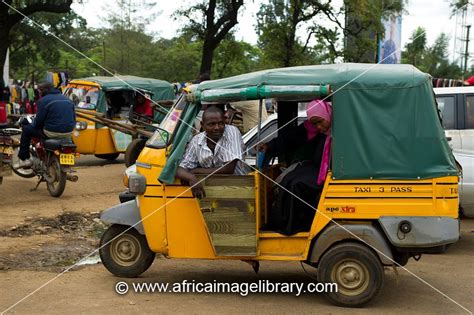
(159,89)
(385,120)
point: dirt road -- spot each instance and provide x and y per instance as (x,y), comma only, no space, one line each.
(41,236)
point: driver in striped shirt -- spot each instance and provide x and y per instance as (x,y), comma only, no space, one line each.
(218,149)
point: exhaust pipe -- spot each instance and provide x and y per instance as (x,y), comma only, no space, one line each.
(72,178)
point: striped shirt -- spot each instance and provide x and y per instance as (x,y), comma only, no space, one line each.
(229,147)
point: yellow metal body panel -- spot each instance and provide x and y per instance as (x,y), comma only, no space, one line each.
(82,82)
(187,232)
(104,144)
(93,140)
(152,207)
(175,226)
(274,246)
(85,139)
(371,199)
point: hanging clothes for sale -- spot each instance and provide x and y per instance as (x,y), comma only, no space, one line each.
(63,78)
(55,79)
(31,94)
(59,79)
(14,97)
(49,77)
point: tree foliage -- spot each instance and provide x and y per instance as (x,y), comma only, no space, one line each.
(330,33)
(415,48)
(210,21)
(10,17)
(432,59)
(277,26)
(291,32)
(30,57)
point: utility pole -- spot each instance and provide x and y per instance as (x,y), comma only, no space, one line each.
(466,52)
(103,57)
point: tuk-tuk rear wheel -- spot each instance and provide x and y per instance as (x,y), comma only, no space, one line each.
(356,270)
(125,252)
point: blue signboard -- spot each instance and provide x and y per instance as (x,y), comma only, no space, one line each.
(390,50)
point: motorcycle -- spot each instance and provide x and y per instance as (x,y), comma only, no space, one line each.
(52,161)
(7,143)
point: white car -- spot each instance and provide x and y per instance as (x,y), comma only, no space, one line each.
(456,105)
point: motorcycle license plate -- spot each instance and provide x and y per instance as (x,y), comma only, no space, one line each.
(66,159)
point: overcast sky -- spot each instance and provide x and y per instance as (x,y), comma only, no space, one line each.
(433,15)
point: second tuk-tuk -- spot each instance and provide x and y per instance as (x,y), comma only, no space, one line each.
(113,97)
(391,192)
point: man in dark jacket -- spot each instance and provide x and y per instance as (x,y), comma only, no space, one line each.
(55,118)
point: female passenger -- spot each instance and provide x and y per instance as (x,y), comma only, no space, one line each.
(300,185)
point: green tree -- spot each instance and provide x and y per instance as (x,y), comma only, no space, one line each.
(210,21)
(125,41)
(431,59)
(415,48)
(356,23)
(175,60)
(9,18)
(277,26)
(436,54)
(125,50)
(30,58)
(363,27)
(459,4)
(234,57)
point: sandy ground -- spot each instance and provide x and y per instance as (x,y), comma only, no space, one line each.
(41,236)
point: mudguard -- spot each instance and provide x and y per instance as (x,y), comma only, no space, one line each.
(126,213)
(367,233)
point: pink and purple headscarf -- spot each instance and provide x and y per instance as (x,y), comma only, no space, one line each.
(322,109)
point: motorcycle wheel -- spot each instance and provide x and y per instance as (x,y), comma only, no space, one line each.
(57,186)
(22,172)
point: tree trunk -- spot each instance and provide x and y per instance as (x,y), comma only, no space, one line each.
(4,43)
(207,57)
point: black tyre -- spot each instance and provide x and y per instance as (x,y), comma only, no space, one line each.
(125,252)
(357,271)
(22,172)
(57,183)
(133,151)
(109,156)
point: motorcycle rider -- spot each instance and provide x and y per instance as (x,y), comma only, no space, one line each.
(55,118)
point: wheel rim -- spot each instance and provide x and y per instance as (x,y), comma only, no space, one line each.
(125,250)
(21,171)
(351,276)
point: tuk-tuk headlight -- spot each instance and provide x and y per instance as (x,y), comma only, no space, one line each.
(132,169)
(81,125)
(125,179)
(137,184)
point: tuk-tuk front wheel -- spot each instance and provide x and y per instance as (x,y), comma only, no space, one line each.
(125,252)
(356,270)
(133,151)
(108,156)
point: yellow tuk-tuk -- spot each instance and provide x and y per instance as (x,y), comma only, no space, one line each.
(391,192)
(113,97)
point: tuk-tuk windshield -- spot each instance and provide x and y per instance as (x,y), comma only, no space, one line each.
(84,97)
(169,123)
